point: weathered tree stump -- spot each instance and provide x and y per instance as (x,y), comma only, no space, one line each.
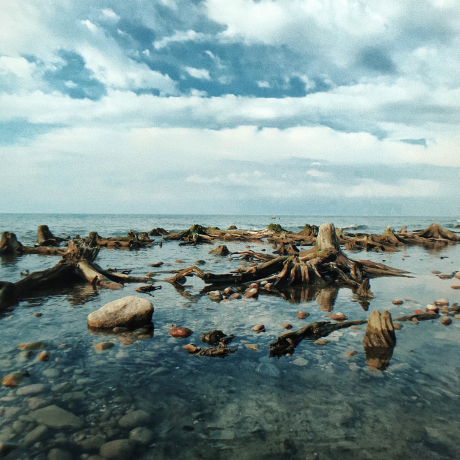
(380,332)
(221,250)
(46,238)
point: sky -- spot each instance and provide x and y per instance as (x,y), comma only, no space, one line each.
(333,107)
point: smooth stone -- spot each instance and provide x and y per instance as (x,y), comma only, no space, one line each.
(234,296)
(432,308)
(43,356)
(286,325)
(253,347)
(134,418)
(397,302)
(397,326)
(31,346)
(215,296)
(142,435)
(269,370)
(37,315)
(126,312)
(180,332)
(446,321)
(321,342)
(92,442)
(200,262)
(251,293)
(338,316)
(59,454)
(259,328)
(441,302)
(33,436)
(120,449)
(35,403)
(303,315)
(351,353)
(55,417)
(31,389)
(14,379)
(51,373)
(103,346)
(300,361)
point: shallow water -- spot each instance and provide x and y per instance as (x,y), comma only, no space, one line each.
(314,404)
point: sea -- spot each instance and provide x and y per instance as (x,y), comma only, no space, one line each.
(147,398)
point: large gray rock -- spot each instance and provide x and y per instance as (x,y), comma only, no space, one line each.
(126,312)
(55,417)
(35,435)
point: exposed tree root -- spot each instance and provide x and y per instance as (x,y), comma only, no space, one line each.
(286,343)
(77,262)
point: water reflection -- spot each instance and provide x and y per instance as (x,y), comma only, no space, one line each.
(378,358)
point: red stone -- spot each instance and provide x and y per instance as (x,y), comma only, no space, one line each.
(254,286)
(181,332)
(397,302)
(302,315)
(337,316)
(259,328)
(253,292)
(237,295)
(419,312)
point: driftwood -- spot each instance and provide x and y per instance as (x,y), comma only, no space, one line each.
(76,263)
(158,232)
(131,241)
(380,332)
(324,264)
(215,337)
(287,342)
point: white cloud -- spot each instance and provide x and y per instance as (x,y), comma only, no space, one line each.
(263,84)
(181,37)
(201,74)
(110,14)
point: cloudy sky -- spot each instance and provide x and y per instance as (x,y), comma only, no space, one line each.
(346,107)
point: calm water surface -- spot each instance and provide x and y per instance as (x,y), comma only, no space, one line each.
(315,404)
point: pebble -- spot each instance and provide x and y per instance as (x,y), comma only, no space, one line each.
(191,348)
(37,315)
(432,309)
(300,361)
(254,286)
(259,328)
(180,332)
(92,442)
(457,275)
(446,321)
(253,347)
(455,286)
(237,295)
(286,325)
(55,417)
(321,342)
(268,286)
(251,293)
(227,291)
(338,316)
(31,389)
(31,346)
(13,380)
(51,373)
(35,403)
(180,261)
(457,316)
(215,296)
(303,314)
(351,353)
(59,454)
(356,328)
(441,302)
(435,272)
(103,346)
(142,435)
(134,418)
(397,326)
(415,320)
(269,370)
(419,312)
(33,436)
(397,302)
(43,356)
(120,449)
